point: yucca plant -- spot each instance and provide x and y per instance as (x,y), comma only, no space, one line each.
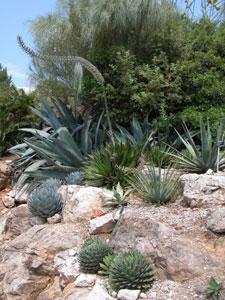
(155,185)
(158,156)
(204,156)
(111,164)
(131,270)
(92,254)
(46,201)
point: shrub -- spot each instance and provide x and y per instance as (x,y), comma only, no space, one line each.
(157,156)
(155,185)
(201,157)
(110,165)
(46,201)
(131,270)
(92,254)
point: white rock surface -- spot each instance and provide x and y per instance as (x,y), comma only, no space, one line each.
(103,224)
(216,220)
(85,280)
(128,294)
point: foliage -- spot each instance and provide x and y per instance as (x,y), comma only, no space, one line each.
(74,178)
(119,197)
(92,254)
(158,156)
(155,185)
(106,264)
(111,164)
(14,111)
(131,270)
(45,201)
(203,156)
(214,288)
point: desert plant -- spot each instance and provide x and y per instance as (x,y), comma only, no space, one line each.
(119,197)
(92,254)
(204,156)
(158,156)
(46,201)
(155,185)
(111,164)
(74,178)
(106,264)
(131,270)
(214,288)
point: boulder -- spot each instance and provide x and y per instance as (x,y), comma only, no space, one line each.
(27,263)
(80,201)
(177,258)
(103,224)
(128,294)
(51,292)
(9,201)
(203,190)
(216,220)
(5,172)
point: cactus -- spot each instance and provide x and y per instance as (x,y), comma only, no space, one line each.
(92,254)
(45,201)
(131,270)
(74,178)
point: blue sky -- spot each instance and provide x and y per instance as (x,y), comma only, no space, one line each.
(14,20)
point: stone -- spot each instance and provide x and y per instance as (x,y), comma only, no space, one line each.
(114,294)
(85,280)
(8,201)
(27,262)
(54,219)
(51,292)
(103,224)
(202,190)
(67,266)
(216,220)
(80,202)
(128,294)
(5,172)
(17,221)
(176,258)
(143,296)
(35,220)
(209,172)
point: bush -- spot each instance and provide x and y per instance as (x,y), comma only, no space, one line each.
(46,201)
(110,165)
(92,254)
(131,270)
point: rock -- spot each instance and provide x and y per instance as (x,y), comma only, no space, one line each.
(81,200)
(203,190)
(8,201)
(143,296)
(52,292)
(114,294)
(103,224)
(98,292)
(27,262)
(209,172)
(85,280)
(177,258)
(17,222)
(5,172)
(54,219)
(128,294)
(216,220)
(67,266)
(37,221)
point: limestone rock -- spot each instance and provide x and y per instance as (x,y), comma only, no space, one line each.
(17,221)
(103,224)
(176,258)
(5,172)
(67,266)
(80,201)
(35,220)
(203,190)
(8,201)
(128,294)
(85,280)
(51,292)
(216,220)
(54,219)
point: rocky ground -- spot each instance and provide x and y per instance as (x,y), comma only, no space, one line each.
(185,239)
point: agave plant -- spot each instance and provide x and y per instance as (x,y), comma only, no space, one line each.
(201,157)
(111,164)
(155,185)
(119,197)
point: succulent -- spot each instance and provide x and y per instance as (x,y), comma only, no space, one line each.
(214,289)
(131,270)
(106,264)
(92,254)
(74,178)
(119,197)
(45,201)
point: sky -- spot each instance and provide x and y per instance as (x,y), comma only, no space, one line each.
(14,20)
